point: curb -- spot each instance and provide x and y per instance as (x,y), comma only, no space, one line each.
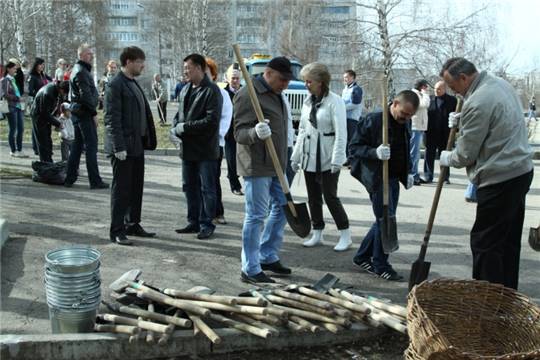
(175,152)
(99,346)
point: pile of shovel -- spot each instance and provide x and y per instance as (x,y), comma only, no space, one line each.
(146,312)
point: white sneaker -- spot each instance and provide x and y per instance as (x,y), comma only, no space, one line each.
(316,239)
(13,153)
(345,241)
(20,154)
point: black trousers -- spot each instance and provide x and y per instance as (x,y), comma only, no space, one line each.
(162,112)
(43,140)
(230,156)
(496,234)
(219,203)
(436,140)
(325,184)
(126,192)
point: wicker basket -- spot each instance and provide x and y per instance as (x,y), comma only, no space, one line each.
(467,319)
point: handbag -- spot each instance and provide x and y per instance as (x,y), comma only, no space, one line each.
(4,106)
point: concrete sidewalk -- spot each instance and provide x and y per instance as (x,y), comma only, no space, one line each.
(43,217)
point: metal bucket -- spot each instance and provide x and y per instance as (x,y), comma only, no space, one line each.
(72,284)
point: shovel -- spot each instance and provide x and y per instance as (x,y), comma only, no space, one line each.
(420,268)
(388,231)
(534,238)
(296,213)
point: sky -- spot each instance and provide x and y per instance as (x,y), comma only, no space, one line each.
(517,22)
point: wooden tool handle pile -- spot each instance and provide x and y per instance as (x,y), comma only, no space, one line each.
(262,315)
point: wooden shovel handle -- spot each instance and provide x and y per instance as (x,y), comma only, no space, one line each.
(185,323)
(147,325)
(344,303)
(299,305)
(322,303)
(205,329)
(260,117)
(264,333)
(117,329)
(202,297)
(243,309)
(385,139)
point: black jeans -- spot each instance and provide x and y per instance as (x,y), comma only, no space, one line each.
(496,233)
(43,140)
(325,184)
(435,143)
(230,156)
(126,192)
(162,110)
(199,185)
(85,138)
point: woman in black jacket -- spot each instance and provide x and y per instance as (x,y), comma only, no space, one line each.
(36,80)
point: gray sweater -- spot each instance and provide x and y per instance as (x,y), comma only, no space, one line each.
(493,143)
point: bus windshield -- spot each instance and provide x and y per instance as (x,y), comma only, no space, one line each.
(259,69)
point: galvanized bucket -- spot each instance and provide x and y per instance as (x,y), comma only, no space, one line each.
(72,284)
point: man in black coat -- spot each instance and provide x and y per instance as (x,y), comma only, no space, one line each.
(367,154)
(46,103)
(129,130)
(197,126)
(84,101)
(437,132)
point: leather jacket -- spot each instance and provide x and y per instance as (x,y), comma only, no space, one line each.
(45,105)
(83,93)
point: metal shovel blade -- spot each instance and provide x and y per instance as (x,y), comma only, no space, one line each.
(419,272)
(301,224)
(534,238)
(389,236)
(325,283)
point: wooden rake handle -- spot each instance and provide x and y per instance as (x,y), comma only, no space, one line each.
(268,142)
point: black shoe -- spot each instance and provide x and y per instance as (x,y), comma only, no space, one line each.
(137,230)
(205,233)
(121,239)
(277,268)
(447,182)
(259,278)
(237,192)
(416,182)
(190,229)
(364,265)
(101,185)
(422,181)
(390,275)
(68,184)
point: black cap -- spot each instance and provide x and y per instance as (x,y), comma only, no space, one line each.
(283,65)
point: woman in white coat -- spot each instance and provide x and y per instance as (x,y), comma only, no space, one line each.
(320,152)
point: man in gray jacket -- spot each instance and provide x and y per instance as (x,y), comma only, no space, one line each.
(262,234)
(493,147)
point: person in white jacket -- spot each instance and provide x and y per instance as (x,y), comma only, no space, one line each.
(419,124)
(320,152)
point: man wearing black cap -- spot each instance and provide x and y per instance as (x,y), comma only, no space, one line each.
(262,233)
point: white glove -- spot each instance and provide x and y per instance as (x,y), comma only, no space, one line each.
(383,152)
(179,129)
(334,168)
(444,159)
(295,166)
(410,182)
(174,139)
(121,155)
(263,130)
(453,119)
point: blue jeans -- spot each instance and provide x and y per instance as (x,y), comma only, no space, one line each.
(262,193)
(16,128)
(416,140)
(371,247)
(199,185)
(85,138)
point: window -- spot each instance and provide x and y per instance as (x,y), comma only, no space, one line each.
(123,36)
(123,21)
(336,10)
(248,38)
(119,5)
(248,22)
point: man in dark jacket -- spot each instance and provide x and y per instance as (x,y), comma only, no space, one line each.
(264,223)
(233,85)
(129,130)
(437,132)
(46,104)
(197,125)
(367,154)
(84,101)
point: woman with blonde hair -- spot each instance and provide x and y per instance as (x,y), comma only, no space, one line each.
(320,152)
